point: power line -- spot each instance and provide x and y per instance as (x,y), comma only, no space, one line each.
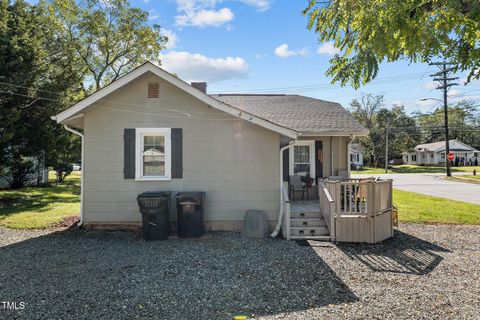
(28,96)
(327,86)
(30,88)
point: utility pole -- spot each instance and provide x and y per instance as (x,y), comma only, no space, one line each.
(444,81)
(386,147)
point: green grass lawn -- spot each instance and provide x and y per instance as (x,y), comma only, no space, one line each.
(418,208)
(40,207)
(408,168)
(466,178)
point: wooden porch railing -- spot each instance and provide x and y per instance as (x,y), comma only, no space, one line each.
(357,210)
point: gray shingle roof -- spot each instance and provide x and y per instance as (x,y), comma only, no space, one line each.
(299,113)
(453,144)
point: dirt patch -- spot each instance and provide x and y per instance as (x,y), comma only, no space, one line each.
(66,222)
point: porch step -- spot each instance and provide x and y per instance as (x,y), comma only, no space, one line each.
(320,238)
(306,215)
(307,222)
(308,232)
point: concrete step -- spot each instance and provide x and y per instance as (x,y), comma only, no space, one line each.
(310,214)
(307,222)
(308,231)
(320,238)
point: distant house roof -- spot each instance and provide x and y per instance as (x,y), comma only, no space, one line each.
(439,146)
(356,148)
(298,113)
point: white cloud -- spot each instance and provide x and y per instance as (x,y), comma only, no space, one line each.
(283,52)
(427,103)
(261,5)
(204,13)
(197,67)
(204,18)
(328,48)
(260,56)
(153,17)
(430,85)
(146,1)
(172,39)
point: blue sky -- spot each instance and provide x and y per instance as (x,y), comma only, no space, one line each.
(246,46)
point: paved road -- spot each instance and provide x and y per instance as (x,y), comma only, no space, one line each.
(432,184)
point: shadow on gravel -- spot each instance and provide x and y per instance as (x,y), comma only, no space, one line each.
(83,274)
(403,253)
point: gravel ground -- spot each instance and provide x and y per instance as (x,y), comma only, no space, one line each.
(424,272)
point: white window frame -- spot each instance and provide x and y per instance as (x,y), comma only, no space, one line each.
(140,133)
(311,144)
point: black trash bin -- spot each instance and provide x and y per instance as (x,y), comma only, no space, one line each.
(190,214)
(154,207)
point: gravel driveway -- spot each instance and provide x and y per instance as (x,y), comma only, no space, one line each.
(424,272)
(432,184)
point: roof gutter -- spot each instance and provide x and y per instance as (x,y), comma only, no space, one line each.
(80,223)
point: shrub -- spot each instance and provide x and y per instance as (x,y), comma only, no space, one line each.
(19,173)
(62,170)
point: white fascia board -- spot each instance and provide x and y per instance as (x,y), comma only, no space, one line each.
(149,67)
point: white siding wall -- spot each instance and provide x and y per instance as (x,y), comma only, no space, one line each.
(234,162)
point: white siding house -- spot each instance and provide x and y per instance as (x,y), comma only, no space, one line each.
(151,131)
(434,154)
(356,154)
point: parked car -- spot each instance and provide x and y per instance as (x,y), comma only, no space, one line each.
(77,166)
(395,162)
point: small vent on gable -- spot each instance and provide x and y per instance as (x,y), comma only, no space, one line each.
(153,89)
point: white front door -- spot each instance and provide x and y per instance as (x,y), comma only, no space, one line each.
(302,158)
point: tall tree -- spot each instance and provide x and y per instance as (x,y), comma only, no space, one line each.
(464,123)
(51,55)
(402,131)
(365,110)
(369,32)
(108,38)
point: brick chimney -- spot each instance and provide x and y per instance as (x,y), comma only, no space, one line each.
(202,86)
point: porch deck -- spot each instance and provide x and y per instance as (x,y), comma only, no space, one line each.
(304,206)
(352,210)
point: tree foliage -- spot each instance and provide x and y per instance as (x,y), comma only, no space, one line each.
(28,71)
(370,111)
(463,121)
(105,38)
(51,55)
(369,32)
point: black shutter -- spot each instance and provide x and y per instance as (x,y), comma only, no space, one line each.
(129,154)
(286,164)
(177,153)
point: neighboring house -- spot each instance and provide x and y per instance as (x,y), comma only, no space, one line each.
(149,130)
(37,177)
(434,153)
(356,155)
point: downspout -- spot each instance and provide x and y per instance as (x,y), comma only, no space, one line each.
(280,214)
(82,172)
(349,164)
(331,156)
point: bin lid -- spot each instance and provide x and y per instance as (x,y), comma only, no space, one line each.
(190,194)
(155,194)
(190,203)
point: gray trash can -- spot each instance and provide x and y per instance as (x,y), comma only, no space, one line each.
(190,214)
(154,207)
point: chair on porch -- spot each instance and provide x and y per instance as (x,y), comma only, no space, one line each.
(295,184)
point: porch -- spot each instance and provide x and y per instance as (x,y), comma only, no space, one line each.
(347,210)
